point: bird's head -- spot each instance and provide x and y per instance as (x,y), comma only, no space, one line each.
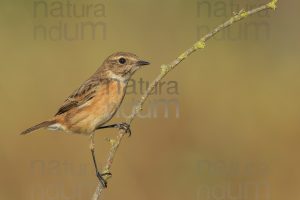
(122,65)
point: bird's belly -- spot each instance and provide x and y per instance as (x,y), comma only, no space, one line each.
(103,114)
(100,110)
(87,122)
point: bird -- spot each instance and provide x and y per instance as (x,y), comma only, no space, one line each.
(95,102)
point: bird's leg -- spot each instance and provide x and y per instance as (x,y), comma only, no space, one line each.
(98,174)
(123,125)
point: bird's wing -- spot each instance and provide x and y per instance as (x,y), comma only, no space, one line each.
(83,94)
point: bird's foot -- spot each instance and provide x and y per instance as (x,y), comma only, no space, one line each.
(124,126)
(101,179)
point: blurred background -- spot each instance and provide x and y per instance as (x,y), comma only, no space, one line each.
(224,125)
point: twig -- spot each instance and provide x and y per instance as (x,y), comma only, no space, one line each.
(165,69)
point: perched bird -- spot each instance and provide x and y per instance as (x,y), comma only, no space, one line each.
(96,101)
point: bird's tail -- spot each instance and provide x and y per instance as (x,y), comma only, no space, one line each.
(38,126)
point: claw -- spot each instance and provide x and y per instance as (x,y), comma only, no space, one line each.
(101,179)
(126,127)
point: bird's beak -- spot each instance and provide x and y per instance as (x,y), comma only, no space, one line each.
(142,63)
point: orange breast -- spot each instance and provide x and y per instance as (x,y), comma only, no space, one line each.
(98,110)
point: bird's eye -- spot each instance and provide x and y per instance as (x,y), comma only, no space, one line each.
(122,60)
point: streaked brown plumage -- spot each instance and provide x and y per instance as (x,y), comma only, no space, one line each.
(96,101)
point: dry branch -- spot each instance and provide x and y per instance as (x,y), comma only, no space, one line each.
(165,69)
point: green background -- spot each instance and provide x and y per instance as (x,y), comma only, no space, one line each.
(237,135)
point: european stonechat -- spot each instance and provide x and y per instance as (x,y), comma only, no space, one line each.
(96,101)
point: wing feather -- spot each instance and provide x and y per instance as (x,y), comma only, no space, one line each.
(82,95)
